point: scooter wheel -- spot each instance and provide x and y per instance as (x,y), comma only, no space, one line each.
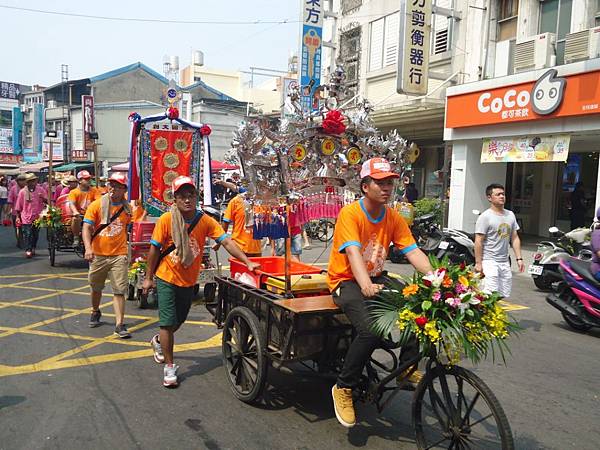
(543,283)
(575,323)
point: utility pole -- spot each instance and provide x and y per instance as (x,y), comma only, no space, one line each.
(64,79)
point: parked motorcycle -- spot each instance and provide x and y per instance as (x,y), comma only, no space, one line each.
(457,246)
(577,297)
(427,235)
(544,269)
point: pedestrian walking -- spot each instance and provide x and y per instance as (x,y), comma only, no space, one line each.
(68,184)
(237,215)
(175,258)
(363,233)
(13,192)
(4,215)
(495,229)
(105,239)
(79,199)
(30,203)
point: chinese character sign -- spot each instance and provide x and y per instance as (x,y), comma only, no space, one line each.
(311,40)
(414,60)
(526,149)
(6,137)
(87,105)
(9,90)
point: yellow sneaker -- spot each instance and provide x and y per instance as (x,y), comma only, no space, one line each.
(343,406)
(412,380)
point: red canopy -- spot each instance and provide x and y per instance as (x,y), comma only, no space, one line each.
(214,166)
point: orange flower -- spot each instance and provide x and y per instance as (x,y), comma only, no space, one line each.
(410,290)
(447,282)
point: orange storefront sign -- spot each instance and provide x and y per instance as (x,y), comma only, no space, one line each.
(550,97)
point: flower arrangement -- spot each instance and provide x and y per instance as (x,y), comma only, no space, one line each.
(51,217)
(138,267)
(446,311)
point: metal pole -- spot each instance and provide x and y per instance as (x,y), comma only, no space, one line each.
(50,174)
(96,164)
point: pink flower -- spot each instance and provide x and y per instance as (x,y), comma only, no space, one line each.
(460,288)
(436,297)
(453,302)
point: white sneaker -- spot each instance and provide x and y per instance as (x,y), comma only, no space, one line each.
(170,375)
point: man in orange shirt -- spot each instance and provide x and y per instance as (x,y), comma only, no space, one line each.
(235,214)
(175,258)
(78,201)
(363,233)
(105,240)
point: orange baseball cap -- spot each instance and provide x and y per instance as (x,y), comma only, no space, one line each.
(118,177)
(181,181)
(83,174)
(378,169)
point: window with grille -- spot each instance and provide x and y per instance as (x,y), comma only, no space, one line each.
(350,55)
(350,5)
(441,29)
(383,44)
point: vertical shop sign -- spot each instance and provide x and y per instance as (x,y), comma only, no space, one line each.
(87,115)
(415,38)
(312,40)
(6,137)
(34,154)
(17,130)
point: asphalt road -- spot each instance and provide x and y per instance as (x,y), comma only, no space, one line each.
(66,386)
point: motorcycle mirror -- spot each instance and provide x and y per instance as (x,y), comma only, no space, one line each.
(553,230)
(476,212)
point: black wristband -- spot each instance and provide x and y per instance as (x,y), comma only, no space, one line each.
(519,259)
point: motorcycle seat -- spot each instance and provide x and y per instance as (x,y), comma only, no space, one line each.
(583,268)
(470,235)
(423,218)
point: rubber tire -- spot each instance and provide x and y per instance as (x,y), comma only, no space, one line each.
(130,292)
(251,320)
(51,237)
(210,292)
(323,234)
(141,300)
(576,325)
(476,382)
(543,283)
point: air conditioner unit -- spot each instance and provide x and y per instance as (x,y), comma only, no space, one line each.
(52,104)
(582,45)
(535,52)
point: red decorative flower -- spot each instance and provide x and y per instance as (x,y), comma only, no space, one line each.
(448,295)
(427,282)
(205,130)
(421,321)
(173,113)
(462,265)
(334,122)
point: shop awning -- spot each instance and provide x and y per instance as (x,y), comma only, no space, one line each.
(123,167)
(73,166)
(36,167)
(9,170)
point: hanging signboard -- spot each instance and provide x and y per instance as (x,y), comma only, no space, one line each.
(312,40)
(87,105)
(415,40)
(6,140)
(526,149)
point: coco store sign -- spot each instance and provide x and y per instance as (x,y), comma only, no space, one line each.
(548,97)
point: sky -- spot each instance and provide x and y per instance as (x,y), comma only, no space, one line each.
(35,45)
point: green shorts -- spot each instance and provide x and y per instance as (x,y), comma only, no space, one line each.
(174,303)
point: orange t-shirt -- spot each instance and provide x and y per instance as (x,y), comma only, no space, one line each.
(112,240)
(82,200)
(138,213)
(354,227)
(170,268)
(236,214)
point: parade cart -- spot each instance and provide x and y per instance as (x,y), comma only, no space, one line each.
(163,147)
(56,220)
(269,322)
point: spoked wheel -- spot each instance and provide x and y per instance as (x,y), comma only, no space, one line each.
(244,354)
(455,409)
(325,231)
(141,299)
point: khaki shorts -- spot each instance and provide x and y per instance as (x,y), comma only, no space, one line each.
(113,267)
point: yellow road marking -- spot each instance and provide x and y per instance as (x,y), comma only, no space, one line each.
(49,275)
(507,306)
(76,337)
(45,308)
(46,365)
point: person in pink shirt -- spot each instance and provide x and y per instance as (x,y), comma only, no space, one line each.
(30,203)
(13,192)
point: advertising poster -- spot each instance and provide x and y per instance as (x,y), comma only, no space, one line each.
(312,44)
(551,148)
(87,105)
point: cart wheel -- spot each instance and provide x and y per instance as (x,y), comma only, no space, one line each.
(244,356)
(51,237)
(141,299)
(453,408)
(130,292)
(210,292)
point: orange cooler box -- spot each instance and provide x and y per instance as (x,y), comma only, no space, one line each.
(271,265)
